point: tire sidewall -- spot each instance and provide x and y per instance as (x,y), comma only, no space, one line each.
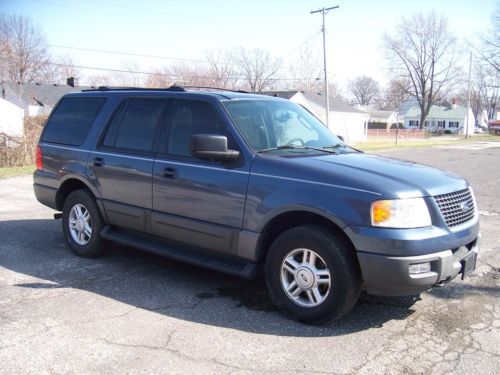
(94,246)
(330,249)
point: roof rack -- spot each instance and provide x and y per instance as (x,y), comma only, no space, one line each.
(171,88)
(107,88)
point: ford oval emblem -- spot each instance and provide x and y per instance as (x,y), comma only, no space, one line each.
(464,206)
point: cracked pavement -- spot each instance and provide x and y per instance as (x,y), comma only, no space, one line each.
(131,312)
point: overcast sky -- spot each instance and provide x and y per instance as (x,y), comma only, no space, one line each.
(186,29)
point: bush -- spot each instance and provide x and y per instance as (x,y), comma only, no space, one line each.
(21,151)
(448,131)
(377,125)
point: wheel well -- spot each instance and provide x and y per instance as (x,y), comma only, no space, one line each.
(288,220)
(66,188)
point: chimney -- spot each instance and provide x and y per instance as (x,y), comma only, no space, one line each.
(453,103)
(72,81)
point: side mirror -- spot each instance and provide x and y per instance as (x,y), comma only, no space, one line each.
(212,147)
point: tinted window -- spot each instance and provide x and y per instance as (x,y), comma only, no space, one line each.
(189,118)
(72,119)
(134,124)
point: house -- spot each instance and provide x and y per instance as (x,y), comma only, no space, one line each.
(441,118)
(18,100)
(380,118)
(344,120)
(11,119)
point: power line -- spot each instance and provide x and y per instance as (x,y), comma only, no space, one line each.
(126,53)
(164,74)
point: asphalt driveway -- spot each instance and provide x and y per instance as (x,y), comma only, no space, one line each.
(131,312)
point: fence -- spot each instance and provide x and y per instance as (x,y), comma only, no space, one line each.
(403,133)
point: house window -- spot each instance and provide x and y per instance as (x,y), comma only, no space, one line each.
(453,124)
(426,124)
(441,124)
(413,123)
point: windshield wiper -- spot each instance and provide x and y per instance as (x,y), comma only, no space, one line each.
(339,145)
(294,147)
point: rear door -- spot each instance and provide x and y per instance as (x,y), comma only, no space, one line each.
(197,202)
(123,162)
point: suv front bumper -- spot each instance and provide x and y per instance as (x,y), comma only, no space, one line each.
(390,276)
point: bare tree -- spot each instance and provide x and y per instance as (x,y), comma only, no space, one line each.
(485,92)
(364,89)
(160,78)
(307,70)
(97,80)
(396,93)
(23,49)
(489,48)
(257,68)
(335,91)
(62,68)
(423,49)
(129,76)
(222,68)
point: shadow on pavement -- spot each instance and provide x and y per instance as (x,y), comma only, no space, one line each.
(36,248)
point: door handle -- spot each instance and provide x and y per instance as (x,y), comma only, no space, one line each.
(98,162)
(169,173)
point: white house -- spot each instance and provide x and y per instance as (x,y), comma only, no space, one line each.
(380,116)
(11,119)
(441,118)
(344,120)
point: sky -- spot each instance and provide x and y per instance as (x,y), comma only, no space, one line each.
(184,30)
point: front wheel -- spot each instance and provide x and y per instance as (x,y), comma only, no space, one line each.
(82,224)
(312,274)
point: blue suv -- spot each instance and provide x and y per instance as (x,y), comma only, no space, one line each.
(237,182)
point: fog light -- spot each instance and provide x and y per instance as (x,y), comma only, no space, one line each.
(415,269)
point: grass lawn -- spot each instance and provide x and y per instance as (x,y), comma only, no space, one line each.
(16,171)
(387,144)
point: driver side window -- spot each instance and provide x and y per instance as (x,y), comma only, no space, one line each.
(189,118)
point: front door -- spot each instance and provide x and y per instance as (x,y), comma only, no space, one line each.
(197,202)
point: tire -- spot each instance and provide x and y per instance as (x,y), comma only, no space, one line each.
(82,224)
(322,287)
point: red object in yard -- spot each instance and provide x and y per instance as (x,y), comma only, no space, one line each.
(39,163)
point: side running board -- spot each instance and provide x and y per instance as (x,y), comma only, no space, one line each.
(246,270)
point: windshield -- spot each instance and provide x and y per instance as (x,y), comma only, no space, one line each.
(281,126)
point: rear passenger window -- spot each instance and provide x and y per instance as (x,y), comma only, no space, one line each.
(71,121)
(134,124)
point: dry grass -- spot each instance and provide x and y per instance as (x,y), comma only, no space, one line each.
(20,151)
(16,171)
(388,144)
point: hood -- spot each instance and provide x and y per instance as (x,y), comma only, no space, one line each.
(388,177)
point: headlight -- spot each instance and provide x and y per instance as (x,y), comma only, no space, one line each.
(400,213)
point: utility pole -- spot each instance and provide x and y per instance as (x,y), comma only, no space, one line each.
(324,11)
(468,99)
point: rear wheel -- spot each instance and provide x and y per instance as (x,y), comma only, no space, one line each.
(82,224)
(312,274)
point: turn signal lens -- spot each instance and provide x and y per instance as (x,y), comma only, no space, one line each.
(381,211)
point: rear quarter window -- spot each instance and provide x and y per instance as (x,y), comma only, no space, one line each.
(71,121)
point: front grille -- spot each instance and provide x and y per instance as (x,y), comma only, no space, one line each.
(457,208)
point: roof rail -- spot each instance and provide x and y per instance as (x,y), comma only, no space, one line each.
(107,88)
(214,88)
